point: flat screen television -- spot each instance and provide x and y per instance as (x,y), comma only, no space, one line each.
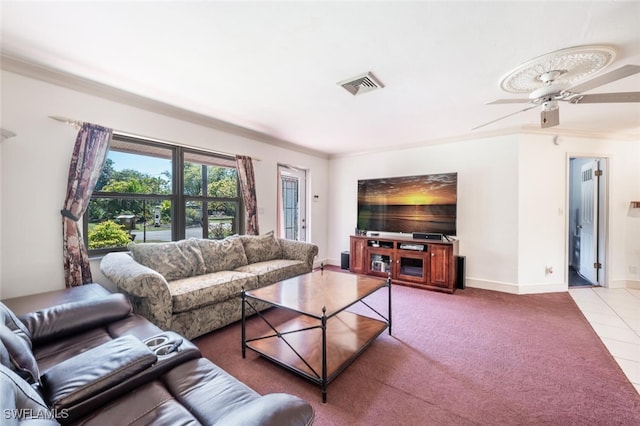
(408,204)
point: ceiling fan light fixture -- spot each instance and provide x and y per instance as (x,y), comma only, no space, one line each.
(549,118)
(551,105)
(565,66)
(552,77)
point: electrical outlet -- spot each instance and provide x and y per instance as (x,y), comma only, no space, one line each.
(633,270)
(548,270)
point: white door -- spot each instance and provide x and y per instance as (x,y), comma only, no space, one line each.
(588,222)
(292,211)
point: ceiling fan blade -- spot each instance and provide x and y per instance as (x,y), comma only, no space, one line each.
(603,98)
(502,118)
(509,101)
(609,77)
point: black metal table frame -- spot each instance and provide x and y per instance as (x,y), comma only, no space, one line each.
(318,378)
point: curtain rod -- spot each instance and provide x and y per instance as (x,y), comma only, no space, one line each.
(77,124)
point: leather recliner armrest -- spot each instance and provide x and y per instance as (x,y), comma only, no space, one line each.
(69,318)
(67,385)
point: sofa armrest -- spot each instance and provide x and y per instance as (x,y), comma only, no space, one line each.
(70,318)
(299,250)
(69,386)
(276,409)
(148,290)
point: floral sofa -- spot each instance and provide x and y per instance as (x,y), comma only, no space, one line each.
(193,286)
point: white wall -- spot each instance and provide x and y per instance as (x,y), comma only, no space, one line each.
(624,185)
(632,248)
(512,204)
(512,191)
(1,209)
(487,225)
(34,167)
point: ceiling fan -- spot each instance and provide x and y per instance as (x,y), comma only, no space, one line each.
(552,78)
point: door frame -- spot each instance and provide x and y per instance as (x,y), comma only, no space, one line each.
(604,276)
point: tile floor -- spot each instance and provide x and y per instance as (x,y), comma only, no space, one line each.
(614,314)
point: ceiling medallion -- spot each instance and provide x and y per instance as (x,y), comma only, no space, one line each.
(565,67)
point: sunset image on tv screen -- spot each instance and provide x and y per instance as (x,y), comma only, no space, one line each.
(409,204)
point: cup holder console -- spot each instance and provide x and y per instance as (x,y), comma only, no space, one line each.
(164,344)
(170,349)
(165,350)
(156,341)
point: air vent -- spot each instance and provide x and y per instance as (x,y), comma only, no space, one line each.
(361,84)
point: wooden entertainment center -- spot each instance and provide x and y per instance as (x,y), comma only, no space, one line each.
(428,264)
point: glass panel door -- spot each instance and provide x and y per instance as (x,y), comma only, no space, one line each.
(412,267)
(380,262)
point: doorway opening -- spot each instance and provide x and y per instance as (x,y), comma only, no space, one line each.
(588,192)
(292,206)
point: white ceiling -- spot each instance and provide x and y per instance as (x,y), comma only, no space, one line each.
(273,66)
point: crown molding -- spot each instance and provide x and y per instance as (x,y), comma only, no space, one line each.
(507,131)
(90,87)
(73,82)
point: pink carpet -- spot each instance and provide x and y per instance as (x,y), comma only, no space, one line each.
(474,357)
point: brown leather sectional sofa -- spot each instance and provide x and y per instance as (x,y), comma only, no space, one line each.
(81,356)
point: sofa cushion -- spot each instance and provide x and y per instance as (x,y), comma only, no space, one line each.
(222,255)
(51,353)
(173,260)
(149,404)
(271,409)
(272,271)
(191,293)
(207,390)
(260,248)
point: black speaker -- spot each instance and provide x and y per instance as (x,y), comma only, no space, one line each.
(427,236)
(344,260)
(460,272)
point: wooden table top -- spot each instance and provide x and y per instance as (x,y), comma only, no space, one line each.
(309,293)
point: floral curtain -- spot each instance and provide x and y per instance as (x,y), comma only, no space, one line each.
(89,154)
(280,212)
(248,188)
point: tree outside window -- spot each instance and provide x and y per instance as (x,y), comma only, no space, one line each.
(138,198)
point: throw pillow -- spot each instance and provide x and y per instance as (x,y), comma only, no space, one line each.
(222,255)
(260,248)
(173,260)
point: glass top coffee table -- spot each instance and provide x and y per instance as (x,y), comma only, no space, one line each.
(324,338)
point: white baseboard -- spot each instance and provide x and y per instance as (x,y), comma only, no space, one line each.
(332,262)
(513,288)
(486,284)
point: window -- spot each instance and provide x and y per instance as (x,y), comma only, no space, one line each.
(290,207)
(153,192)
(292,220)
